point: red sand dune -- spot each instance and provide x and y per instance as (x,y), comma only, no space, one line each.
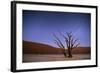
(38,48)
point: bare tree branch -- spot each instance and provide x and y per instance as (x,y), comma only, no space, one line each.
(58,40)
(74,42)
(70,41)
(76,45)
(66,39)
(58,44)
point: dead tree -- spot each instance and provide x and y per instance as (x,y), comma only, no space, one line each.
(60,44)
(71,43)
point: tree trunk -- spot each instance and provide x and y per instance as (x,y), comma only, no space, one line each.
(69,53)
(65,55)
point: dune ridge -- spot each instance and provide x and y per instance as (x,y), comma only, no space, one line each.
(39,48)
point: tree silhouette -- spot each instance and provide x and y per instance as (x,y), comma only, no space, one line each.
(60,44)
(70,41)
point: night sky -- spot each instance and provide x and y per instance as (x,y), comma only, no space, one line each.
(38,26)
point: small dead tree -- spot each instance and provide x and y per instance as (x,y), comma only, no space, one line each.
(60,44)
(71,43)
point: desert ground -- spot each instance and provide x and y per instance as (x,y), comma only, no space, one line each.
(38,52)
(53,57)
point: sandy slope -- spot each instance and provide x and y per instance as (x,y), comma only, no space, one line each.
(39,48)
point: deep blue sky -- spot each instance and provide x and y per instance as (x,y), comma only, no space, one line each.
(38,26)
